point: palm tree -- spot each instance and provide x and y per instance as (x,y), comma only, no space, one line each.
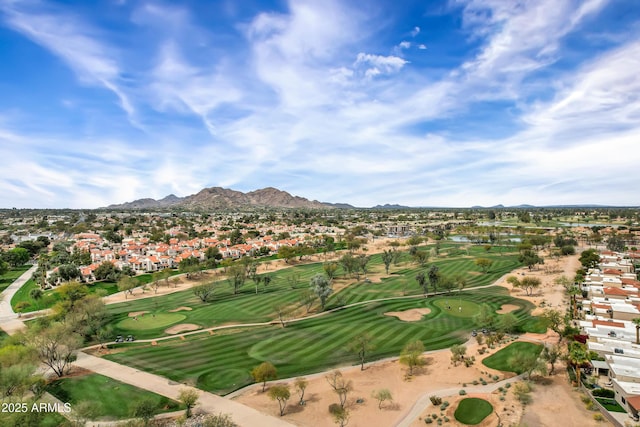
(636,322)
(577,357)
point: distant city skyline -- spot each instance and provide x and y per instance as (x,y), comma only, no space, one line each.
(443,103)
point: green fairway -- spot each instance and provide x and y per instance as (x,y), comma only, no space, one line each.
(249,307)
(150,321)
(502,359)
(221,363)
(472,410)
(114,399)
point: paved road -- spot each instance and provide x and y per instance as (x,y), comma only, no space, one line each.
(211,403)
(9,320)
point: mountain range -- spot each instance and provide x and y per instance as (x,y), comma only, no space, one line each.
(223,198)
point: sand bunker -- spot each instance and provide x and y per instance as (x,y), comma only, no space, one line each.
(137,313)
(412,315)
(182,327)
(507,308)
(180,309)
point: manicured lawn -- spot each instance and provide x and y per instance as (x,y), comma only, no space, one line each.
(114,399)
(10,276)
(501,360)
(473,410)
(610,404)
(249,307)
(221,363)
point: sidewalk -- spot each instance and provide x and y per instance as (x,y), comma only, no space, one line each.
(9,320)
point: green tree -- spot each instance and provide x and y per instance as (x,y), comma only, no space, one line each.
(126,284)
(204,291)
(361,345)
(422,282)
(381,395)
(411,355)
(387,259)
(17,257)
(56,347)
(551,353)
(508,322)
(237,275)
(484,264)
(322,287)
(281,393)
(144,409)
(340,385)
(458,353)
(107,271)
(555,319)
(590,258)
(528,283)
(264,372)
(4,267)
(485,318)
(330,268)
(287,253)
(616,244)
(434,277)
(530,259)
(189,397)
(301,384)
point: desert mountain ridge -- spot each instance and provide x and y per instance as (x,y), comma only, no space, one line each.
(224,198)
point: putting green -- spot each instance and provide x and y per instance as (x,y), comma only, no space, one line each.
(452,306)
(472,410)
(149,321)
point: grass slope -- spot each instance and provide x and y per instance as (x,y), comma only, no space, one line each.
(114,399)
(501,360)
(10,276)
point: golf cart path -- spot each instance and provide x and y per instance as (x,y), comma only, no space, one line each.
(9,320)
(211,403)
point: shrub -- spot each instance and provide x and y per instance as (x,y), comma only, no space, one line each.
(496,377)
(585,399)
(428,420)
(435,400)
(462,392)
(475,382)
(501,398)
(483,382)
(598,417)
(507,385)
(334,408)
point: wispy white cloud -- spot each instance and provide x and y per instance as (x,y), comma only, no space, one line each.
(415,31)
(73,42)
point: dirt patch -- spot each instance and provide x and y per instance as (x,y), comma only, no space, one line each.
(183,308)
(507,308)
(182,327)
(413,315)
(137,313)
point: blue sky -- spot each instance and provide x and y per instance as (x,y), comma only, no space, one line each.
(427,103)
